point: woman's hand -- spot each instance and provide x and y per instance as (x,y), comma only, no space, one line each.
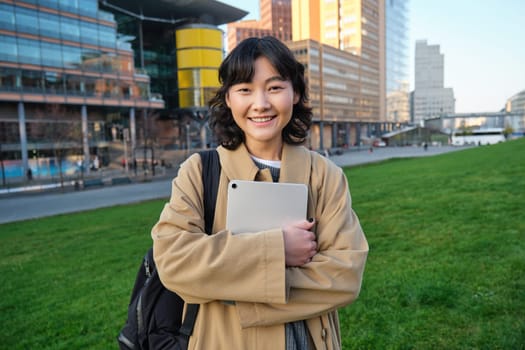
(299,243)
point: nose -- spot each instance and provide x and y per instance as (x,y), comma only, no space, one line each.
(260,101)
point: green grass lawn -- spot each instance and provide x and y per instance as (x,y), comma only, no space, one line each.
(446,268)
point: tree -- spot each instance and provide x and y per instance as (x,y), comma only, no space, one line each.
(61,128)
(508,131)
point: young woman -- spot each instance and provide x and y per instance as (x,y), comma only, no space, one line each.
(275,289)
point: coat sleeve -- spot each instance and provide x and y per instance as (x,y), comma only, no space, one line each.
(333,278)
(202,268)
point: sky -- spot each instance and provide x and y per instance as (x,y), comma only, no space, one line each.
(483,43)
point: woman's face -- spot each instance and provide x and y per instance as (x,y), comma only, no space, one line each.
(262,108)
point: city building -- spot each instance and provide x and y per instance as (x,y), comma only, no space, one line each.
(430,97)
(362,89)
(72,82)
(512,123)
(341,44)
(180,47)
(415,135)
(340,95)
(356,28)
(66,76)
(516,103)
(275,20)
(397,85)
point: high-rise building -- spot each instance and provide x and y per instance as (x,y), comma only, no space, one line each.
(376,31)
(397,85)
(431,98)
(66,79)
(358,74)
(354,27)
(275,21)
(349,25)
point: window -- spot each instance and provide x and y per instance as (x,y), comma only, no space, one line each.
(69,5)
(89,7)
(48,25)
(25,21)
(8,49)
(31,81)
(7,17)
(71,57)
(69,29)
(28,51)
(8,79)
(73,85)
(51,54)
(89,33)
(107,36)
(54,83)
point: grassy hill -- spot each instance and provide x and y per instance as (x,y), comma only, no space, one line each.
(446,268)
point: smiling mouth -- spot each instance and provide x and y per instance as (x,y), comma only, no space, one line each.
(261,119)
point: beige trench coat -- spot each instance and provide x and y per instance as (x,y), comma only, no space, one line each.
(245,291)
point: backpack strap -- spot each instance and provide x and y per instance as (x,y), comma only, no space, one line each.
(211,169)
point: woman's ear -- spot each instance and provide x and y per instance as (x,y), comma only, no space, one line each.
(227,98)
(296,97)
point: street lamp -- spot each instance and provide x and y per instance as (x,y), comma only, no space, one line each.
(188,146)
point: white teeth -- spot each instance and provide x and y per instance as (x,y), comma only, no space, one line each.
(262,119)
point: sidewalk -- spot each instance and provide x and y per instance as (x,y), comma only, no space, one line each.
(379,154)
(36,205)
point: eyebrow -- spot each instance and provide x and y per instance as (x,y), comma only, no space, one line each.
(269,80)
(275,78)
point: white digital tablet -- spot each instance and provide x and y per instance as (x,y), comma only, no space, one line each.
(255,206)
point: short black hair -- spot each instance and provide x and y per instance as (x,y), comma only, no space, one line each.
(238,67)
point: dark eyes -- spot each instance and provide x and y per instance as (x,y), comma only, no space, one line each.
(272,88)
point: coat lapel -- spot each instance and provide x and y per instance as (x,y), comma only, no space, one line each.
(237,164)
(295,166)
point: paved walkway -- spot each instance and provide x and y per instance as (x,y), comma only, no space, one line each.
(30,206)
(383,153)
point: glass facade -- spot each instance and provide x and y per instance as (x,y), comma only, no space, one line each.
(67,80)
(397,42)
(72,47)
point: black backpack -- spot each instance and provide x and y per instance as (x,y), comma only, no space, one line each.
(155,313)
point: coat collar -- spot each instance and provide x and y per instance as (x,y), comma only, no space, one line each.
(295,165)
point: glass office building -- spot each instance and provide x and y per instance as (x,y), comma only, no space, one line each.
(68,87)
(397,42)
(180,47)
(83,80)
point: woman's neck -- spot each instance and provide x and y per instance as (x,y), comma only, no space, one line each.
(265,150)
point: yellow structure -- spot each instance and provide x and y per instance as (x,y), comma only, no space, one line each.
(199,55)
